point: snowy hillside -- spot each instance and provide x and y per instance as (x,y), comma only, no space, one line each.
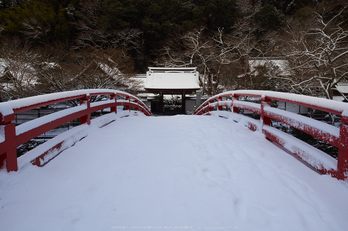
(172,173)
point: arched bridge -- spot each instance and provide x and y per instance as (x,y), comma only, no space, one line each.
(227,104)
(127,169)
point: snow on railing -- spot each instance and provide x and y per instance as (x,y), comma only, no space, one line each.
(11,136)
(336,136)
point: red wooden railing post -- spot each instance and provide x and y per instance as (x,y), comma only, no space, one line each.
(265,102)
(129,100)
(342,160)
(127,106)
(219,106)
(86,118)
(210,108)
(113,108)
(203,109)
(10,154)
(235,98)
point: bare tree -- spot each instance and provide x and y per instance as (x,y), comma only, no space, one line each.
(221,58)
(318,53)
(90,68)
(18,70)
(25,71)
(191,49)
(233,53)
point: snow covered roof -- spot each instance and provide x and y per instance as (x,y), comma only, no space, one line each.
(279,63)
(166,78)
(342,87)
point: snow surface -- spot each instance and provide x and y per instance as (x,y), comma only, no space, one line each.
(172,173)
(68,139)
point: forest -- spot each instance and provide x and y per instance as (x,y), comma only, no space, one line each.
(57,45)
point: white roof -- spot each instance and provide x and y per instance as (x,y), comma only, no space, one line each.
(281,64)
(172,78)
(342,87)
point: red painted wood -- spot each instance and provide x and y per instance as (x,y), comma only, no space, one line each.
(247,107)
(252,126)
(35,132)
(327,137)
(265,102)
(37,160)
(46,103)
(342,164)
(6,119)
(308,105)
(10,147)
(341,142)
(2,159)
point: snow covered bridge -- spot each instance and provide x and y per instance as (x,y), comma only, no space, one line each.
(132,171)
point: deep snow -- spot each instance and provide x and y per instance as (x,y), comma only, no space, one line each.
(172,173)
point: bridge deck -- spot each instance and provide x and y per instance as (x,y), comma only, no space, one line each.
(180,172)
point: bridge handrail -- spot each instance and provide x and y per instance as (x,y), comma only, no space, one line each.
(337,137)
(11,136)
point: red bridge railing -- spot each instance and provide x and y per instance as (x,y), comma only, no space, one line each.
(337,136)
(11,136)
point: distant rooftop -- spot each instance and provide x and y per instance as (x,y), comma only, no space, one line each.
(169,78)
(342,87)
(172,69)
(279,62)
